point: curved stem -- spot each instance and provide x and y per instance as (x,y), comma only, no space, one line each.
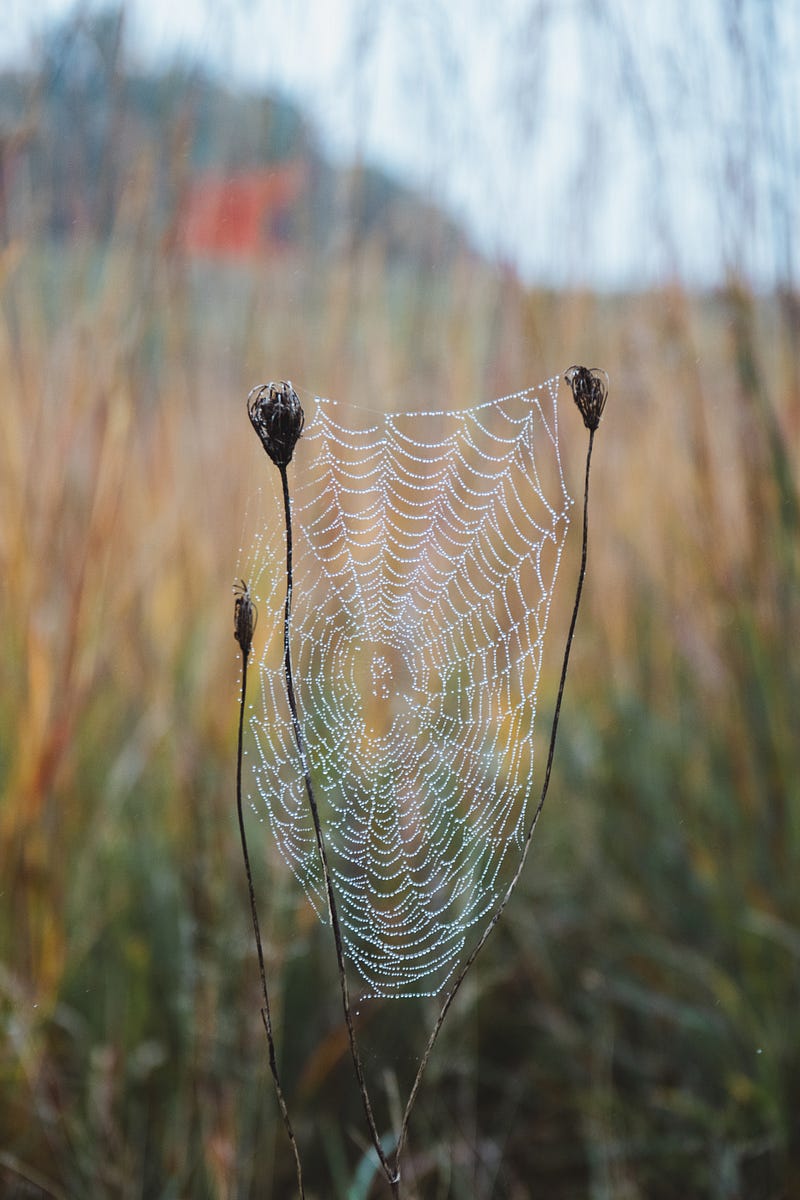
(266,1015)
(391,1173)
(451,995)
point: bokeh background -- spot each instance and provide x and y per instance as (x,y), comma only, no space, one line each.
(396,205)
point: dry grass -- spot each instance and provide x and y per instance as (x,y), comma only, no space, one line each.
(630,1033)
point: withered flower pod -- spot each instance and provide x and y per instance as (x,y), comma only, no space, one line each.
(244,616)
(277,417)
(590,390)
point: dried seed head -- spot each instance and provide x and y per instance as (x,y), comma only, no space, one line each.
(590,390)
(244,616)
(277,417)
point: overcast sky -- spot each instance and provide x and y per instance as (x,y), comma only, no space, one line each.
(611,142)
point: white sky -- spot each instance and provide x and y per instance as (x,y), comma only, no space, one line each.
(613,142)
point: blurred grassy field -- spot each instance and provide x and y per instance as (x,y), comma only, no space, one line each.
(633,1029)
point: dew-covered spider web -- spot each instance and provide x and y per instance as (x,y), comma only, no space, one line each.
(426,548)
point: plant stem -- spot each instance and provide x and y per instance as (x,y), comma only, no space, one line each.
(451,995)
(266,1015)
(391,1173)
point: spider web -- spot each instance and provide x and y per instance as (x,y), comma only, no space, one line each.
(426,548)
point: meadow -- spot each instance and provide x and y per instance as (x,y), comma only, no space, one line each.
(631,1030)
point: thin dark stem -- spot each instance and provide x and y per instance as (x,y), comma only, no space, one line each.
(391,1174)
(451,995)
(266,1015)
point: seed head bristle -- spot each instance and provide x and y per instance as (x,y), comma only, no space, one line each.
(277,416)
(590,391)
(244,616)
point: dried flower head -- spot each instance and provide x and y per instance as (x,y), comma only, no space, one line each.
(590,390)
(244,616)
(277,417)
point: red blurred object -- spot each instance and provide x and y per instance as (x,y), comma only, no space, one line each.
(242,214)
